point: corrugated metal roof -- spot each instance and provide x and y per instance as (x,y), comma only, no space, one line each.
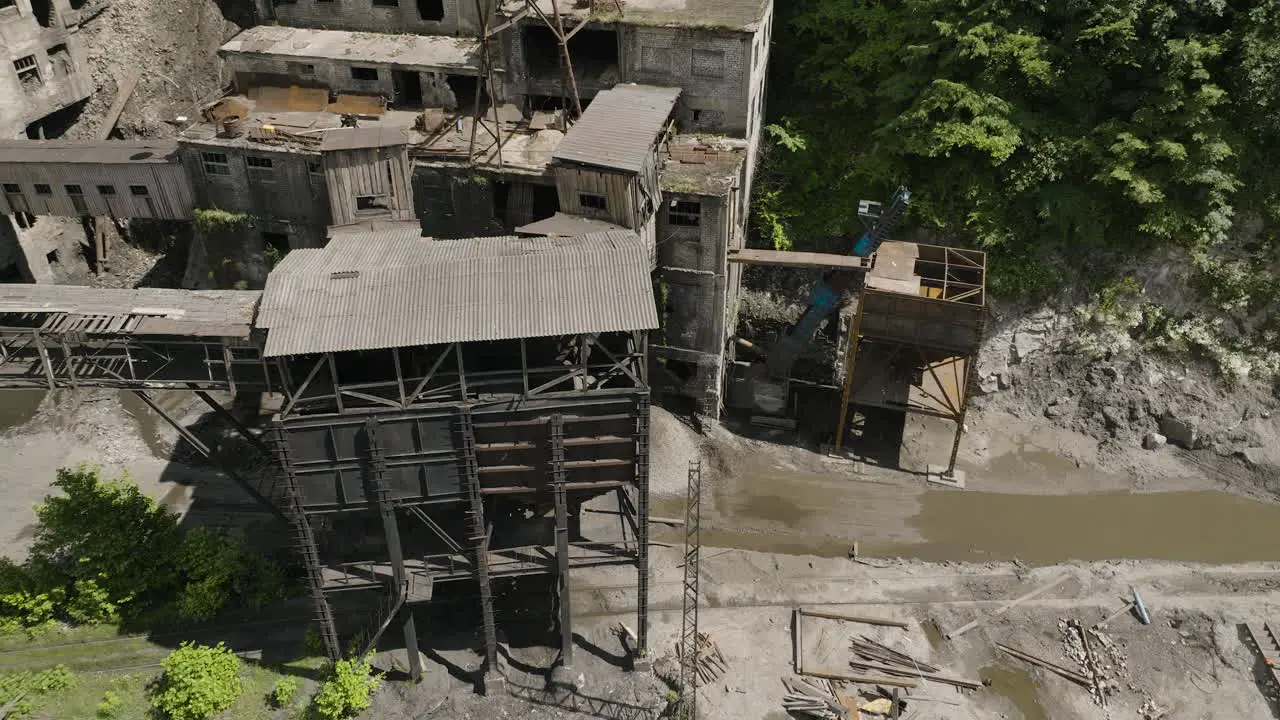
(562,225)
(110,151)
(410,291)
(185,312)
(619,128)
(365,137)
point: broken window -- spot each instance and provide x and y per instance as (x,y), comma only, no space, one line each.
(76,193)
(139,190)
(28,73)
(261,169)
(13,188)
(364,73)
(6,4)
(684,212)
(215,163)
(42,189)
(708,63)
(592,201)
(593,52)
(43,10)
(371,205)
(315,174)
(386,3)
(299,68)
(655,58)
(74,190)
(431,10)
(106,190)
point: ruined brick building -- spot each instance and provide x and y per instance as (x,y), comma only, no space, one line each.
(462,117)
(43,69)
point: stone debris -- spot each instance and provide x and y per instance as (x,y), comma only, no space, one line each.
(1154,441)
(1110,661)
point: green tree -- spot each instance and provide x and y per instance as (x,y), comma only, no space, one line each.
(1025,126)
(198,682)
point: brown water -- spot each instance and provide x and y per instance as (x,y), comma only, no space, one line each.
(1016,685)
(1045,529)
(18,407)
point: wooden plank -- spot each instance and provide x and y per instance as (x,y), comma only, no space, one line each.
(1051,667)
(867,679)
(1005,608)
(749,256)
(899,670)
(854,618)
(123,92)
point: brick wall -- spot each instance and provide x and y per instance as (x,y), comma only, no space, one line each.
(459,16)
(57,57)
(711,66)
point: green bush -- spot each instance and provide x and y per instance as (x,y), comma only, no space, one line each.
(35,685)
(285,690)
(198,682)
(110,706)
(346,692)
(218,570)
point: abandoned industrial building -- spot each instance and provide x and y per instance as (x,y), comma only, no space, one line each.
(464,258)
(43,69)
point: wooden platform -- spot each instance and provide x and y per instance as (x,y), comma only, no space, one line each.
(779,258)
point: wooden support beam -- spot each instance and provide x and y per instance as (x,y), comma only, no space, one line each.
(854,618)
(785,258)
(1042,663)
(123,92)
(1005,608)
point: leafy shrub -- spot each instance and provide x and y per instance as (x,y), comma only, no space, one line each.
(110,706)
(346,692)
(285,690)
(219,569)
(107,532)
(312,643)
(35,685)
(198,682)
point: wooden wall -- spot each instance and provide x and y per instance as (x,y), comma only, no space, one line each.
(382,172)
(168,194)
(619,188)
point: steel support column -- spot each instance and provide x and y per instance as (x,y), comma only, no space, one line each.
(562,538)
(377,479)
(642,532)
(479,540)
(306,544)
(969,363)
(851,355)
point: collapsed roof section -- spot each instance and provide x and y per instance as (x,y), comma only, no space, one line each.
(369,291)
(744,15)
(417,52)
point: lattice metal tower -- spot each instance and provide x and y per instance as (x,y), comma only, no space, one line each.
(689,625)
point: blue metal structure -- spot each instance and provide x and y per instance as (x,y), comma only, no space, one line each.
(880,221)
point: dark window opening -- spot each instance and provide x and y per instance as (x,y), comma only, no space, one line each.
(261,169)
(106,190)
(364,73)
(28,73)
(215,163)
(408,88)
(313,167)
(51,257)
(42,189)
(10,273)
(464,91)
(591,201)
(431,10)
(684,212)
(76,193)
(139,190)
(301,69)
(13,189)
(546,201)
(43,10)
(274,247)
(386,3)
(74,190)
(61,58)
(6,4)
(683,370)
(592,52)
(372,204)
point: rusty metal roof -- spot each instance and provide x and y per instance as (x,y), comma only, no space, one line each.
(369,291)
(619,128)
(106,152)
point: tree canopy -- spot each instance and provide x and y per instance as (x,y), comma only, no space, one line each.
(1026,124)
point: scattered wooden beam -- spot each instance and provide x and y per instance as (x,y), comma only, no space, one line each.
(785,258)
(907,672)
(797,642)
(652,518)
(854,618)
(123,92)
(1128,607)
(1091,663)
(1005,608)
(866,679)
(1074,677)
